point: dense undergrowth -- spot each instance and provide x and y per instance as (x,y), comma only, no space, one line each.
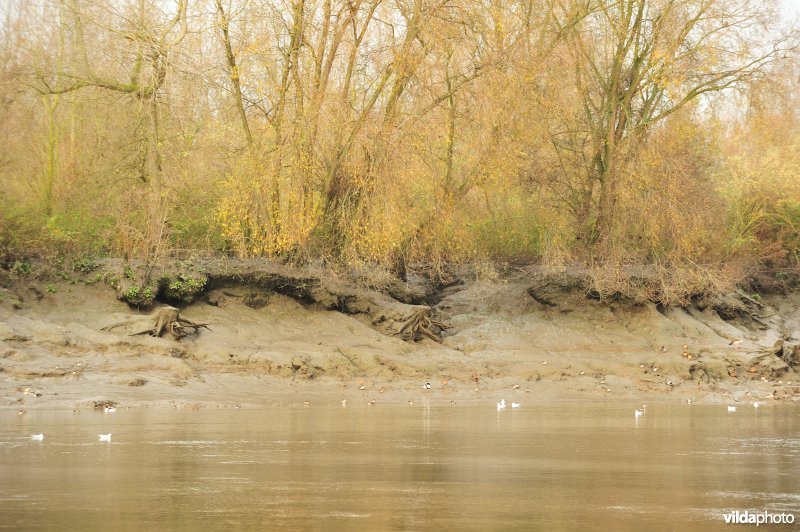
(463,135)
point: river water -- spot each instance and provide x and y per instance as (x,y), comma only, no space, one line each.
(561,466)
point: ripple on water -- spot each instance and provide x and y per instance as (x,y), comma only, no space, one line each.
(344,515)
(410,445)
(683,514)
(185,490)
(775,498)
(226,480)
(192,443)
(394,474)
(18,497)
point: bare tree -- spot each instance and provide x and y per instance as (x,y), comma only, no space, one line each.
(639,61)
(151,44)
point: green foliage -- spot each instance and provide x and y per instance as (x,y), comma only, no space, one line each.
(509,238)
(85,265)
(94,280)
(78,230)
(21,268)
(786,227)
(110,278)
(21,233)
(191,224)
(138,296)
(131,293)
(183,287)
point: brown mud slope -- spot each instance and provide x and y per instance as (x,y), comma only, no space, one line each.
(258,333)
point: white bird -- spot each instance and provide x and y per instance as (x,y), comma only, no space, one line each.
(104,437)
(515,405)
(731,408)
(501,405)
(637,413)
(755,404)
(37,437)
(427,386)
(109,409)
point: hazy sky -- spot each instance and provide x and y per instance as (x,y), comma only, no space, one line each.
(791,7)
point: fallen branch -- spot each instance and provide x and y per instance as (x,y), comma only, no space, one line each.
(120,324)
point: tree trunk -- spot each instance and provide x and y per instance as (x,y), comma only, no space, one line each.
(606,210)
(224,22)
(51,166)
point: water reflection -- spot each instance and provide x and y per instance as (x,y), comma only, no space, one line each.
(550,467)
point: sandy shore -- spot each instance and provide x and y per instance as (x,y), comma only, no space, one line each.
(68,344)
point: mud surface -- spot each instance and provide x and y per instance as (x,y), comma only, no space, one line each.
(273,339)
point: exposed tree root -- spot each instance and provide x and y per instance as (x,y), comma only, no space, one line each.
(166,320)
(383,312)
(420,325)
